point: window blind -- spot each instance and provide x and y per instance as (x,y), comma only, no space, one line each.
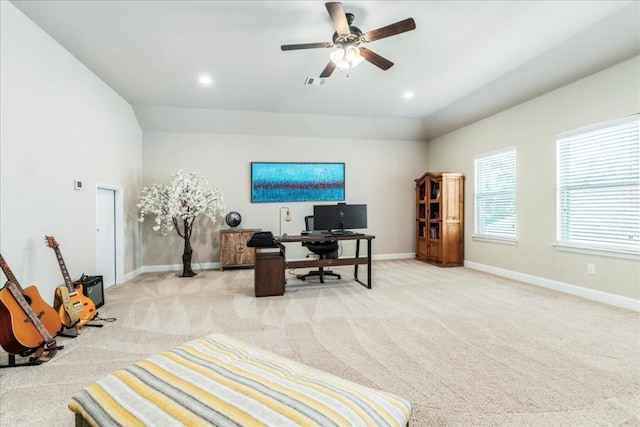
(599,186)
(495,194)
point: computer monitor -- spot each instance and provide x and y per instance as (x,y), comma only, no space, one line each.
(339,217)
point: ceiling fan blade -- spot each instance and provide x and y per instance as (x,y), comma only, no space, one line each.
(339,18)
(328,69)
(391,30)
(375,59)
(305,46)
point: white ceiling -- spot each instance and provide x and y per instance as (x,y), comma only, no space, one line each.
(465,60)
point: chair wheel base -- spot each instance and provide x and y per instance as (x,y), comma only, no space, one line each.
(320,274)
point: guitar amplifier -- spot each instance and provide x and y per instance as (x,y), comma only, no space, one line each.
(92,288)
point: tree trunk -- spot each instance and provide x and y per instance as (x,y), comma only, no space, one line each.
(186,260)
(188,252)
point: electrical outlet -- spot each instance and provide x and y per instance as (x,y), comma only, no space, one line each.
(591,269)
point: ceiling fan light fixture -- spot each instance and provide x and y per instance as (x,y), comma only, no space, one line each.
(338,55)
(352,53)
(346,57)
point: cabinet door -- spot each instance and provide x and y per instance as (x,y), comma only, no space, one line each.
(234,250)
(246,255)
(452,199)
(434,251)
(421,248)
(227,254)
(421,218)
(452,244)
(452,231)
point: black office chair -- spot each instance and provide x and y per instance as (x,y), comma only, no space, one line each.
(325,250)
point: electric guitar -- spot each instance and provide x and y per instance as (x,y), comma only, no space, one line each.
(74,308)
(18,309)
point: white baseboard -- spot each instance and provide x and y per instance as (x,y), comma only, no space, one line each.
(216,265)
(178,267)
(386,257)
(162,268)
(132,274)
(592,294)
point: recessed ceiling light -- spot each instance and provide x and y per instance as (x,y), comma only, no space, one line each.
(408,95)
(205,80)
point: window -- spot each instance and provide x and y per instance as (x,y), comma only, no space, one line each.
(598,187)
(495,195)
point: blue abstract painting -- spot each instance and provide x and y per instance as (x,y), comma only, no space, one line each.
(296,182)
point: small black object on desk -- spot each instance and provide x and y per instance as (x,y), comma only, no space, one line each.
(261,239)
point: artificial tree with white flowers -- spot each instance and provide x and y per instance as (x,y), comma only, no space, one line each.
(176,207)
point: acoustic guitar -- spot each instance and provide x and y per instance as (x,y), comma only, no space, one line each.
(18,334)
(74,308)
(48,341)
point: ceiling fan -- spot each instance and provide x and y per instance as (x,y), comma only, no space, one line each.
(348,40)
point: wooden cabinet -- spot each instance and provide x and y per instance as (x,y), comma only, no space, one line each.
(234,251)
(439,218)
(269,273)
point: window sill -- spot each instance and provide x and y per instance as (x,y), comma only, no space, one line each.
(598,251)
(491,239)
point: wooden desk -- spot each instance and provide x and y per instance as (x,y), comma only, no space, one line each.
(355,261)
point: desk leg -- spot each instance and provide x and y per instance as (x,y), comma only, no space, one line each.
(355,267)
(369,263)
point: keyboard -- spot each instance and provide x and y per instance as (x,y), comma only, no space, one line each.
(338,233)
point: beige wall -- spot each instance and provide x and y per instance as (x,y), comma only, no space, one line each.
(532,128)
(59,122)
(379,173)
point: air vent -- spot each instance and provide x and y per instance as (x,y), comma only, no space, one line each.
(315,81)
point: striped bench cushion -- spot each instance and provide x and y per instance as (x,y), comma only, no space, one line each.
(218,380)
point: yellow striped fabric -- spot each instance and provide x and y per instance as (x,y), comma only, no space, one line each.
(220,381)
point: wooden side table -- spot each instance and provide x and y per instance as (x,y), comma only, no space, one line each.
(234,251)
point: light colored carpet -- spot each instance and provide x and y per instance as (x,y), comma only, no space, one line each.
(465,347)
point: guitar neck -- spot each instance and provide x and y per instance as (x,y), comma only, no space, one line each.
(7,272)
(63,268)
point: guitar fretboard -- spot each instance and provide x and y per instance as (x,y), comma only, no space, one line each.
(63,269)
(7,272)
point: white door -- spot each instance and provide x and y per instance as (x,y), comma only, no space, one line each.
(106,236)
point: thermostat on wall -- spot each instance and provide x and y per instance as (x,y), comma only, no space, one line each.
(77,184)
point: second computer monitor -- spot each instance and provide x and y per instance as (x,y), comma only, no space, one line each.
(339,217)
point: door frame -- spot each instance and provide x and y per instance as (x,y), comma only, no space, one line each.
(119,229)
